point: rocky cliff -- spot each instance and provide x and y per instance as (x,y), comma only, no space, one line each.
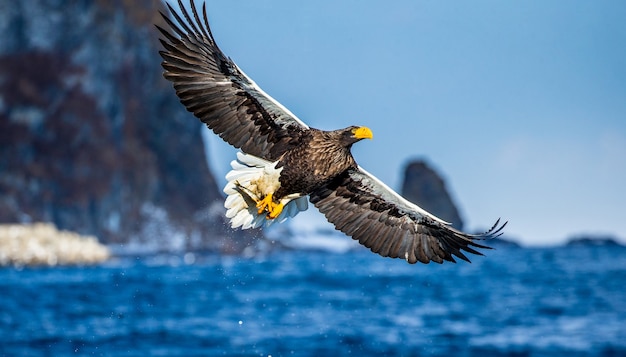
(425,187)
(92,138)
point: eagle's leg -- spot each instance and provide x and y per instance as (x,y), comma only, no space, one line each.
(267,204)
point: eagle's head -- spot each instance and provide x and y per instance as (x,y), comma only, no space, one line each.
(352,134)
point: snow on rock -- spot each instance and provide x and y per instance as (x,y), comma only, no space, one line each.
(42,244)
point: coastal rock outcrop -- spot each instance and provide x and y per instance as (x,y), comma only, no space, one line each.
(425,187)
(42,244)
(594,240)
(92,138)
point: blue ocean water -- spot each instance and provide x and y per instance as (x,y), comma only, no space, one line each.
(567,301)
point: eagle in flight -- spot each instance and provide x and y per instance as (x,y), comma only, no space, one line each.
(283,160)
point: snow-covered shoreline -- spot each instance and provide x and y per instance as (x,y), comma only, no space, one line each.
(42,244)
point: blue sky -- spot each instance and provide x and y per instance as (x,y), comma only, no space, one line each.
(520,105)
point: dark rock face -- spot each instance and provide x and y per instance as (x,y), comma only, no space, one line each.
(92,138)
(424,187)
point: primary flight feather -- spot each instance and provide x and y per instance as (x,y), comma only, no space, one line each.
(283,161)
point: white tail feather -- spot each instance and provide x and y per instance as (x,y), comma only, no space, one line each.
(258,178)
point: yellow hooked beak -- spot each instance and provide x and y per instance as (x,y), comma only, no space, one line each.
(363,133)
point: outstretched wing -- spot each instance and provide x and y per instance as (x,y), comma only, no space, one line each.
(363,207)
(216,91)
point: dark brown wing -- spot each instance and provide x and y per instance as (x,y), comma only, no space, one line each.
(364,208)
(216,91)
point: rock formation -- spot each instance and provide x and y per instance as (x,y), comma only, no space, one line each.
(594,240)
(425,187)
(43,244)
(92,138)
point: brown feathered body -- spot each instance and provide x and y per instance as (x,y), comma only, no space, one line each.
(320,157)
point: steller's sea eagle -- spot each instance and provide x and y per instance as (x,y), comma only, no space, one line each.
(283,160)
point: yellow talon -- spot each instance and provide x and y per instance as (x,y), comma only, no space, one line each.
(265,204)
(276,209)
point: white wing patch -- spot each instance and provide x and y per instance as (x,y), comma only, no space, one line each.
(257,88)
(403,200)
